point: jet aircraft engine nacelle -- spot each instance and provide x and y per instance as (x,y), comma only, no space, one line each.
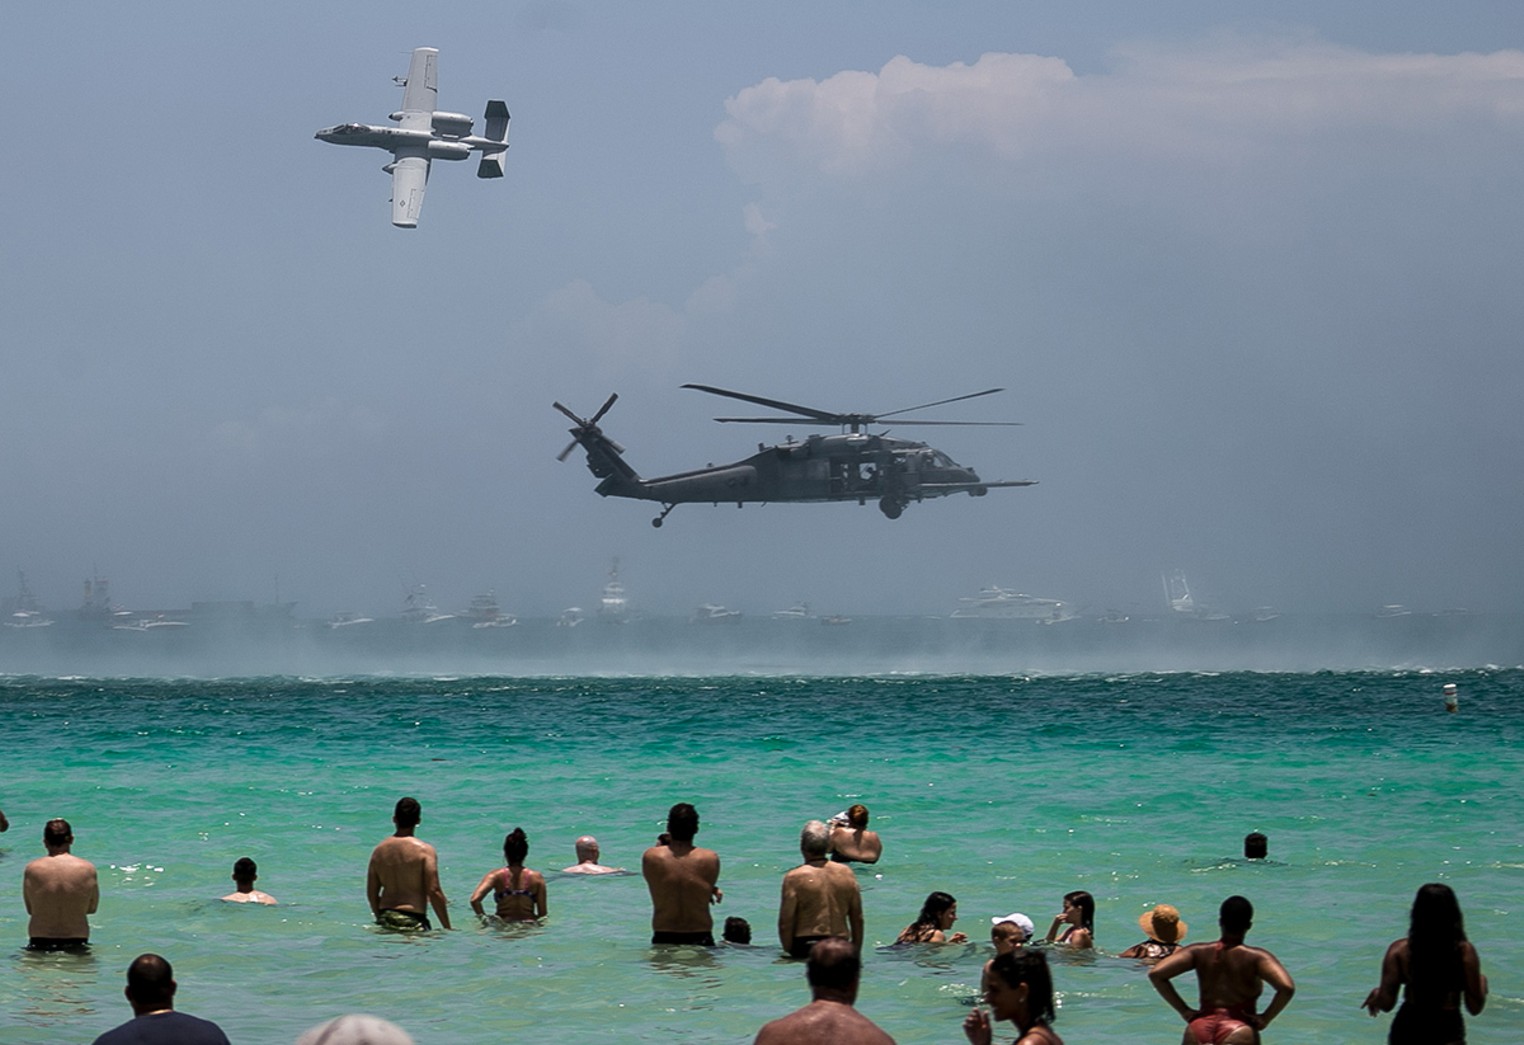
(452,124)
(448,150)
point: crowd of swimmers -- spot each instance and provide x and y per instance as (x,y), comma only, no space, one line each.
(1434,969)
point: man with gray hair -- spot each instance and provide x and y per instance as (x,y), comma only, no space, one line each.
(820,898)
(587,859)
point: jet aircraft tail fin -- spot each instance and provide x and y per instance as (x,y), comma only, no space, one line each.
(491,165)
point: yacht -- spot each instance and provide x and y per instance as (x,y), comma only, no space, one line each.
(345,620)
(418,608)
(710,613)
(484,612)
(27,611)
(612,607)
(1182,603)
(1004,604)
(798,611)
(570,617)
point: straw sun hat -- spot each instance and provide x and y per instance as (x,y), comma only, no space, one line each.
(1163,923)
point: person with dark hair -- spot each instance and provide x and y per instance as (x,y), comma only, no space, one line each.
(683,881)
(819,898)
(737,930)
(1231,976)
(1017,987)
(245,874)
(834,972)
(1437,968)
(1079,915)
(1256,846)
(938,914)
(151,992)
(5,825)
(518,891)
(60,891)
(851,841)
(403,880)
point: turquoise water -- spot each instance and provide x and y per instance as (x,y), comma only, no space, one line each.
(1006,791)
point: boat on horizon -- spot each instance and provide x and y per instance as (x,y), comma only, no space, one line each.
(997,603)
(484,612)
(418,608)
(26,611)
(712,613)
(612,606)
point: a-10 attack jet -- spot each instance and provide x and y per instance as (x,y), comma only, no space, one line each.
(424,134)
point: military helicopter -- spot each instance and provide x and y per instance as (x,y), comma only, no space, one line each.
(854,465)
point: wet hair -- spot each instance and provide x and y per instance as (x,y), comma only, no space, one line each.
(815,839)
(857,816)
(1029,966)
(244,869)
(1256,846)
(682,822)
(408,812)
(1435,933)
(150,982)
(516,846)
(737,930)
(56,832)
(1086,903)
(930,918)
(1235,915)
(833,965)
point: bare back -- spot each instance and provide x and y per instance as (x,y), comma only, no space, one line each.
(856,844)
(60,890)
(820,900)
(823,1023)
(403,872)
(681,878)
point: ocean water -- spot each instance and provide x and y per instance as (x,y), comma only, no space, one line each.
(1005,790)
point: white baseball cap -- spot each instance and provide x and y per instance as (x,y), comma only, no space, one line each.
(1020,919)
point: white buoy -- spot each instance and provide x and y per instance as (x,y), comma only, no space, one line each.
(1452,701)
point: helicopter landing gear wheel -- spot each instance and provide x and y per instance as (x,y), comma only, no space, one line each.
(891,507)
(666,510)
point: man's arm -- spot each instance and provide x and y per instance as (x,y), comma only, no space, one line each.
(855,917)
(26,889)
(1275,974)
(436,892)
(95,892)
(1183,960)
(788,906)
(373,887)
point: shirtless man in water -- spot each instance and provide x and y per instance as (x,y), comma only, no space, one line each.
(851,841)
(820,899)
(829,1019)
(1231,976)
(587,859)
(60,890)
(682,879)
(404,876)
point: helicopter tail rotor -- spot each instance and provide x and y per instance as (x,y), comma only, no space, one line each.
(588,429)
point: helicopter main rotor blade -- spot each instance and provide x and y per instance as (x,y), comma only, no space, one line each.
(830,422)
(962,424)
(568,413)
(603,409)
(940,402)
(776,404)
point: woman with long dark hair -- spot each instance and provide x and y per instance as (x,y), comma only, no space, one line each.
(1437,968)
(1079,915)
(1018,988)
(518,891)
(930,926)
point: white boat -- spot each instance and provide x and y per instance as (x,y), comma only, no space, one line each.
(612,607)
(1004,604)
(418,608)
(153,623)
(835,619)
(1394,610)
(798,611)
(570,617)
(27,612)
(484,612)
(710,613)
(345,620)
(1182,603)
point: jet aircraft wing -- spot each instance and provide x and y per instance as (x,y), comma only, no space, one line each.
(421,93)
(410,174)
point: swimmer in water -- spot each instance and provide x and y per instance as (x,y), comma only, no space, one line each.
(938,914)
(1019,988)
(245,873)
(518,892)
(1079,915)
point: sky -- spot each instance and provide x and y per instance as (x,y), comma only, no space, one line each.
(1251,286)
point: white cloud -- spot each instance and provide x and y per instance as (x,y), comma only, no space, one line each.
(1220,102)
(617,338)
